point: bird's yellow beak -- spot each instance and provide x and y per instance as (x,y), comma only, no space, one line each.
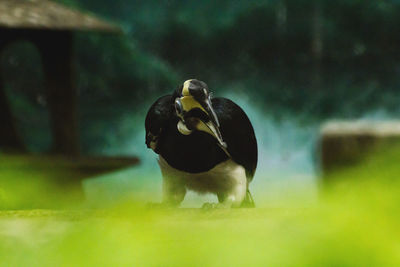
(197,111)
(210,126)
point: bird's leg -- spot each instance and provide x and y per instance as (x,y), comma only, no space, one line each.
(221,197)
(248,201)
(232,198)
(174,191)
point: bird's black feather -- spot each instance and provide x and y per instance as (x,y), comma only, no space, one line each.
(199,151)
(158,117)
(238,133)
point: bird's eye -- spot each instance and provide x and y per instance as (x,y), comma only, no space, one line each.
(178,106)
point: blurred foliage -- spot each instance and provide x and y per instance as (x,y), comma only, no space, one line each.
(267,47)
(354,223)
(318,58)
(26,94)
(48,182)
(33,181)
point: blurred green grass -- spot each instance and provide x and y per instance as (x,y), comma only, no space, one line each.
(354,222)
(31,181)
(28,181)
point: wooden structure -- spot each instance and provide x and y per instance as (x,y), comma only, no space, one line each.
(49,26)
(53,181)
(346,143)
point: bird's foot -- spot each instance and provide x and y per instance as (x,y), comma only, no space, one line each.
(210,206)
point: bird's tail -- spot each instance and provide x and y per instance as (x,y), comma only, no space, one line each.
(248,201)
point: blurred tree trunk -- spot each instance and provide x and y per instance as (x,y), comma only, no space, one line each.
(57,58)
(317,44)
(9,138)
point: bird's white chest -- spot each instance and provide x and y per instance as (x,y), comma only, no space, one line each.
(222,178)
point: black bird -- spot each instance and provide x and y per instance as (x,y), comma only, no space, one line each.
(204,144)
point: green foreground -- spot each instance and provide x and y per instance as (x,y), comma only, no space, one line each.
(355,222)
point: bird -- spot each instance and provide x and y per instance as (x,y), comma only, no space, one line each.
(204,144)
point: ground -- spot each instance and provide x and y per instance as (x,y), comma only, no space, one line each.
(323,234)
(353,222)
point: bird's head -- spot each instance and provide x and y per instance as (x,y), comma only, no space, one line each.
(195,112)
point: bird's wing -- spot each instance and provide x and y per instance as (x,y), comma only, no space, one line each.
(237,131)
(157,118)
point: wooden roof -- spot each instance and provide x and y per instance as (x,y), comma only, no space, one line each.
(44,14)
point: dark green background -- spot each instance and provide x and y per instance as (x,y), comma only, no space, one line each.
(261,53)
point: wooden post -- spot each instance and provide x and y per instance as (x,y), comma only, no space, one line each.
(9,137)
(56,51)
(345,144)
